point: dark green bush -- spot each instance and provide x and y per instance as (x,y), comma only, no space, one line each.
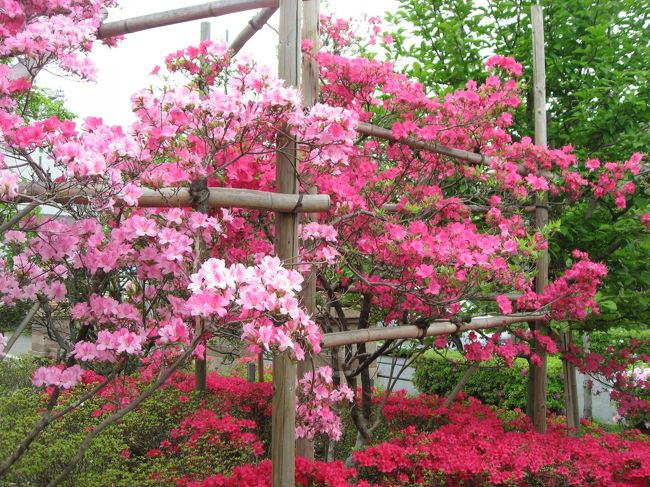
(493,383)
(11,316)
(16,373)
(105,463)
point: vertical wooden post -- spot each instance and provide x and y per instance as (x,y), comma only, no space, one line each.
(570,386)
(286,246)
(199,193)
(260,367)
(541,210)
(309,88)
(587,411)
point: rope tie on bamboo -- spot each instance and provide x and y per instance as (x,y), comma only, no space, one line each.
(458,321)
(199,193)
(298,203)
(255,24)
(423,327)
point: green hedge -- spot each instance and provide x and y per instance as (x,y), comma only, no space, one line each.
(600,341)
(492,383)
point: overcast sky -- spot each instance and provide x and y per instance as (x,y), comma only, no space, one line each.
(124,70)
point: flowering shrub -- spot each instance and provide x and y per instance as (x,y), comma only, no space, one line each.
(316,397)
(475,448)
(308,474)
(634,407)
(629,387)
(221,437)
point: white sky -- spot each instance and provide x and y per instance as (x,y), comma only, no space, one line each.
(124,70)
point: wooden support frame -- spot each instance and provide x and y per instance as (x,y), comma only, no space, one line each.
(309,88)
(371,130)
(201,203)
(287,203)
(254,25)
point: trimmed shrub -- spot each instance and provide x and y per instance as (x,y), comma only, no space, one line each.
(616,338)
(492,383)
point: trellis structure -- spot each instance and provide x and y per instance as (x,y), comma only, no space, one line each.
(300,19)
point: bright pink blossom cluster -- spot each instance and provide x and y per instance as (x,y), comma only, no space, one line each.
(571,296)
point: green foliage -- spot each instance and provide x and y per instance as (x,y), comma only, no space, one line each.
(17,373)
(42,103)
(104,463)
(619,240)
(492,383)
(600,341)
(597,61)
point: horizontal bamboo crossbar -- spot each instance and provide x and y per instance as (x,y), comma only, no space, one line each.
(371,130)
(179,15)
(387,134)
(392,208)
(253,25)
(437,328)
(180,197)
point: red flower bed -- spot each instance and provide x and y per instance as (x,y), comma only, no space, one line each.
(475,447)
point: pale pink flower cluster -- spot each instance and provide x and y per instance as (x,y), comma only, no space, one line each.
(57,376)
(266,296)
(109,345)
(315,230)
(174,331)
(317,395)
(8,184)
(52,30)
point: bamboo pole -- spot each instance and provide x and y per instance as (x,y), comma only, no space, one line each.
(180,197)
(179,15)
(283,419)
(570,385)
(436,328)
(387,134)
(23,324)
(370,130)
(460,385)
(587,384)
(254,25)
(541,212)
(309,89)
(392,208)
(200,203)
